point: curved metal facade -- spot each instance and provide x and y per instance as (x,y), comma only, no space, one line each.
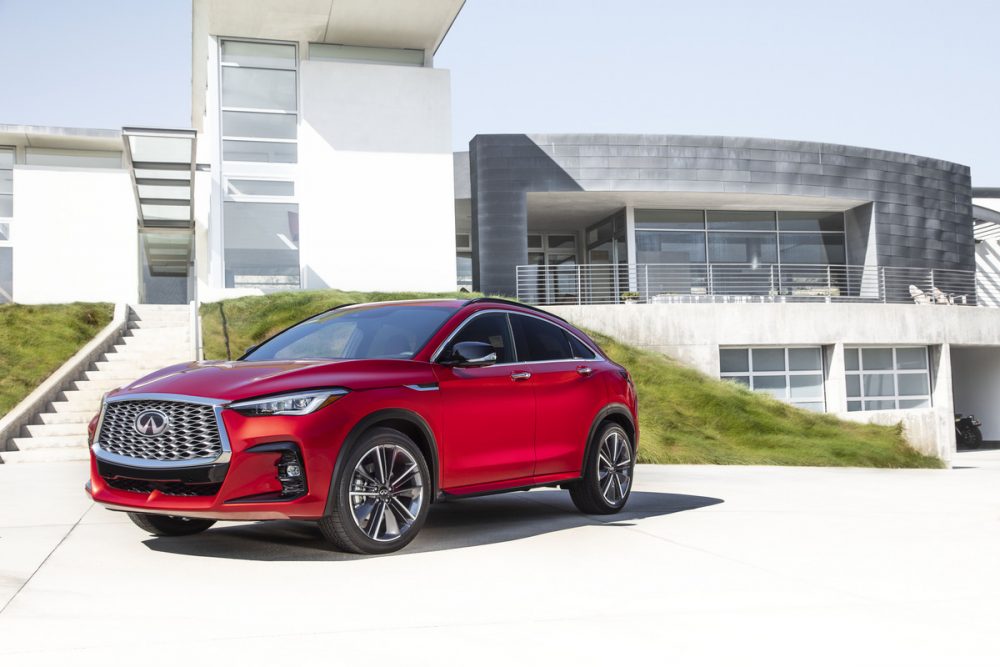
(920,208)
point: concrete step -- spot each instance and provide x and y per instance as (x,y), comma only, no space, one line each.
(68,417)
(165,332)
(46,455)
(43,430)
(148,359)
(152,351)
(63,407)
(137,366)
(157,323)
(120,375)
(82,397)
(104,384)
(50,442)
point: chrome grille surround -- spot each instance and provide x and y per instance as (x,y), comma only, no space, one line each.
(196,434)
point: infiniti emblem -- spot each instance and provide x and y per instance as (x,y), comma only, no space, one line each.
(151,423)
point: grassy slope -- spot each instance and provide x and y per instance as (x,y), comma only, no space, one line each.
(685,416)
(36,340)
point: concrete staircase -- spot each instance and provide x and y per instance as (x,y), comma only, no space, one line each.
(157,336)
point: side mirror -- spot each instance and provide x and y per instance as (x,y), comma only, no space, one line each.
(251,349)
(472,353)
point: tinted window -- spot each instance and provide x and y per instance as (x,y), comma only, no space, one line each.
(580,351)
(489,328)
(538,340)
(369,332)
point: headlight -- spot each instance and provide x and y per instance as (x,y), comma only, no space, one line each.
(288,404)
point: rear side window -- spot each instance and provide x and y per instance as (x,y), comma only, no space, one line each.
(537,340)
(488,328)
(580,351)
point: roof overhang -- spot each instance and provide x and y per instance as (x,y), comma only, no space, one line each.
(76,138)
(403,24)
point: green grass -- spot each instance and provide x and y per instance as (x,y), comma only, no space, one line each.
(684,416)
(37,340)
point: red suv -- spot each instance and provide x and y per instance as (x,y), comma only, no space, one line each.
(361,417)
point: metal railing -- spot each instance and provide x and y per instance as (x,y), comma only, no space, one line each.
(742,283)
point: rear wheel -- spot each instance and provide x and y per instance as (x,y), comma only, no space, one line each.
(382,494)
(969,436)
(169,526)
(607,477)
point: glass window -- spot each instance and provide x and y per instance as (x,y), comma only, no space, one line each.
(259,151)
(793,375)
(463,241)
(804,221)
(6,182)
(367,54)
(4,231)
(489,328)
(6,275)
(258,54)
(262,125)
(247,187)
(743,221)
(52,157)
(537,340)
(579,350)
(6,158)
(742,248)
(670,247)
(261,244)
(669,219)
(813,249)
(258,88)
(463,270)
(180,191)
(366,332)
(562,242)
(896,378)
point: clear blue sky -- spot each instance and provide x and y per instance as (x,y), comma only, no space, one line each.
(915,76)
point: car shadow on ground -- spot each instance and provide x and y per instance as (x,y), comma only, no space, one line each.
(450,525)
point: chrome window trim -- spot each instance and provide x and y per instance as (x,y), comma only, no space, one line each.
(218,405)
(440,348)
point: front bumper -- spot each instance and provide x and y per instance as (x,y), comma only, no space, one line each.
(243,484)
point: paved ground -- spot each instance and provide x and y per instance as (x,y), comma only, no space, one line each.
(709,565)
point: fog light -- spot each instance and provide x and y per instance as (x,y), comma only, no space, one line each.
(293,471)
(293,482)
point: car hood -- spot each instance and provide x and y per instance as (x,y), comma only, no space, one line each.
(236,380)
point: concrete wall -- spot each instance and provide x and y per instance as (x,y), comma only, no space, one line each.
(976,373)
(693,333)
(921,207)
(74,235)
(375,184)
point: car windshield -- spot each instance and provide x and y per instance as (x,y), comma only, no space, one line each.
(367,332)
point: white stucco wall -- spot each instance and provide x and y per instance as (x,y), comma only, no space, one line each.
(375,184)
(74,235)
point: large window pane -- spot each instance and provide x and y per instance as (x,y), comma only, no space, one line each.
(805,359)
(765,359)
(258,54)
(366,54)
(670,247)
(248,187)
(771,384)
(813,249)
(741,220)
(263,125)
(911,358)
(806,221)
(60,157)
(734,361)
(258,88)
(740,248)
(669,219)
(876,359)
(6,206)
(259,151)
(6,181)
(805,387)
(261,242)
(6,275)
(880,384)
(889,388)
(851,358)
(6,158)
(913,384)
(854,386)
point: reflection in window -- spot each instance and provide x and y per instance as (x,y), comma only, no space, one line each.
(261,244)
(887,378)
(793,375)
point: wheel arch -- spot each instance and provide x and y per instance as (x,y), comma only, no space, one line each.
(405,421)
(613,412)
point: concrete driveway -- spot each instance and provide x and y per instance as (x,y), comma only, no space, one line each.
(708,565)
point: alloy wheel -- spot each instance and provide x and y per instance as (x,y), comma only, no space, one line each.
(386,492)
(614,467)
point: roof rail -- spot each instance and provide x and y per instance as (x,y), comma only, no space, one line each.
(510,302)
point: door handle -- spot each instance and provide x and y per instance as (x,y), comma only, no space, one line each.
(584,370)
(520,375)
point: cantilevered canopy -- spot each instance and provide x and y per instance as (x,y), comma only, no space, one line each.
(162,165)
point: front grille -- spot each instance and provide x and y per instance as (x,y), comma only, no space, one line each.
(192,432)
(166,488)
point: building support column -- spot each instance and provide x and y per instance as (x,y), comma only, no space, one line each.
(943,401)
(835,378)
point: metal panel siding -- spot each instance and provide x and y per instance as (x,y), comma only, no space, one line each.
(914,198)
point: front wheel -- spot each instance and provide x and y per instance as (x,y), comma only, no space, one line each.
(169,526)
(608,471)
(381,495)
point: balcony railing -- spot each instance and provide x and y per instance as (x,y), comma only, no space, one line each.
(742,283)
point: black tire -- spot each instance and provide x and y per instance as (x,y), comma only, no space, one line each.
(169,526)
(355,525)
(595,493)
(970,437)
